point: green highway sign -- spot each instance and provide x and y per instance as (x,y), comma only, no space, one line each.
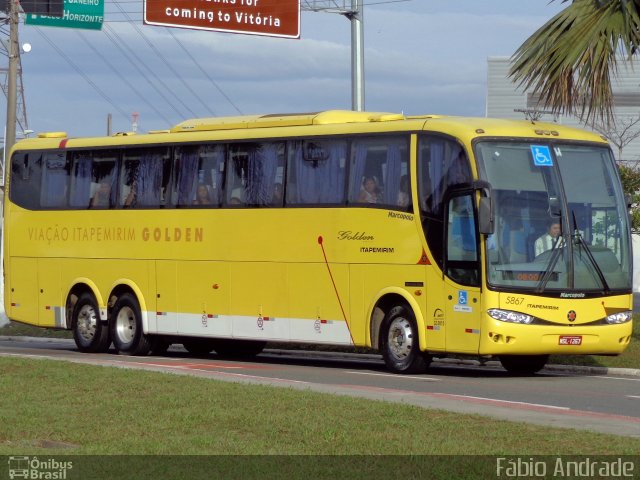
(87,14)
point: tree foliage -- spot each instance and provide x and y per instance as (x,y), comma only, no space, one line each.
(631,185)
(570,60)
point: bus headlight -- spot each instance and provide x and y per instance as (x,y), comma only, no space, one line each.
(509,316)
(621,317)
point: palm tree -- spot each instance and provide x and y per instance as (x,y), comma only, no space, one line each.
(569,61)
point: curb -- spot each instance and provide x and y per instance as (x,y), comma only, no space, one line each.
(582,369)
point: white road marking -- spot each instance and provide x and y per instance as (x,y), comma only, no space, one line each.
(617,378)
(426,379)
(497,400)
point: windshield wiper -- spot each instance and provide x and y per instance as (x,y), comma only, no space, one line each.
(556,251)
(578,240)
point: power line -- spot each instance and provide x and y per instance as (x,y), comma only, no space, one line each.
(131,85)
(82,74)
(215,84)
(112,35)
(163,59)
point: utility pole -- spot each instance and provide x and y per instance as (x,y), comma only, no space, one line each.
(357,56)
(12,79)
(11,83)
(354,13)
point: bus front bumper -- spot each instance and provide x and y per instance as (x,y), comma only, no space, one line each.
(503,338)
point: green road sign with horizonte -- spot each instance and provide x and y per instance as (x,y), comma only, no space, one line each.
(87,14)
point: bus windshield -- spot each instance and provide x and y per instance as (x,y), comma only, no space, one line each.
(560,217)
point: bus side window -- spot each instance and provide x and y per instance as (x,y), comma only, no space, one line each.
(255,174)
(26,172)
(211,169)
(55,181)
(379,172)
(186,168)
(82,186)
(236,186)
(128,180)
(316,172)
(103,177)
(144,178)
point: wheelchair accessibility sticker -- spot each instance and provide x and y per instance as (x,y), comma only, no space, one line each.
(463,300)
(541,156)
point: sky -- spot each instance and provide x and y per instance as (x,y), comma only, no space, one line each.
(421,57)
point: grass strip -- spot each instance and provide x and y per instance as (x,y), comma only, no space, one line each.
(49,407)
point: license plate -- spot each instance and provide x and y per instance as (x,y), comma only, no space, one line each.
(570,340)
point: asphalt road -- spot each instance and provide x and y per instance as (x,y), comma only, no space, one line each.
(581,400)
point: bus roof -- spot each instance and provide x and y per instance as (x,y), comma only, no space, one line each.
(464,128)
(284,120)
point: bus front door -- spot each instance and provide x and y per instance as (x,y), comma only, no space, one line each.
(462,276)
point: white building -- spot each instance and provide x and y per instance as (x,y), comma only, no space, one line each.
(504,97)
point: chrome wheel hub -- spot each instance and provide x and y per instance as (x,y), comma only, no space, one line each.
(87,322)
(400,338)
(126,325)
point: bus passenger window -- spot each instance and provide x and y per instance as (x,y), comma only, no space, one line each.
(101,195)
(93,179)
(236,186)
(144,178)
(203,196)
(403,199)
(55,180)
(316,172)
(200,175)
(370,191)
(379,172)
(26,171)
(278,195)
(255,171)
(104,180)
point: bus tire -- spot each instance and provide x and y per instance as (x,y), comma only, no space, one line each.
(239,348)
(198,346)
(400,342)
(126,327)
(523,364)
(89,333)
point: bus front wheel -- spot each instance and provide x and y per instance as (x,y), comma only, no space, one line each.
(89,333)
(126,327)
(523,364)
(400,342)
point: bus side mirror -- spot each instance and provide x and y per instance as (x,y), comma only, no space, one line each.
(485,208)
(485,216)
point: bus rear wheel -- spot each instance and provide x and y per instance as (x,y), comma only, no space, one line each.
(126,327)
(400,342)
(523,364)
(89,333)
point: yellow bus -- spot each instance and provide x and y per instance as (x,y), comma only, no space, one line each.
(419,236)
